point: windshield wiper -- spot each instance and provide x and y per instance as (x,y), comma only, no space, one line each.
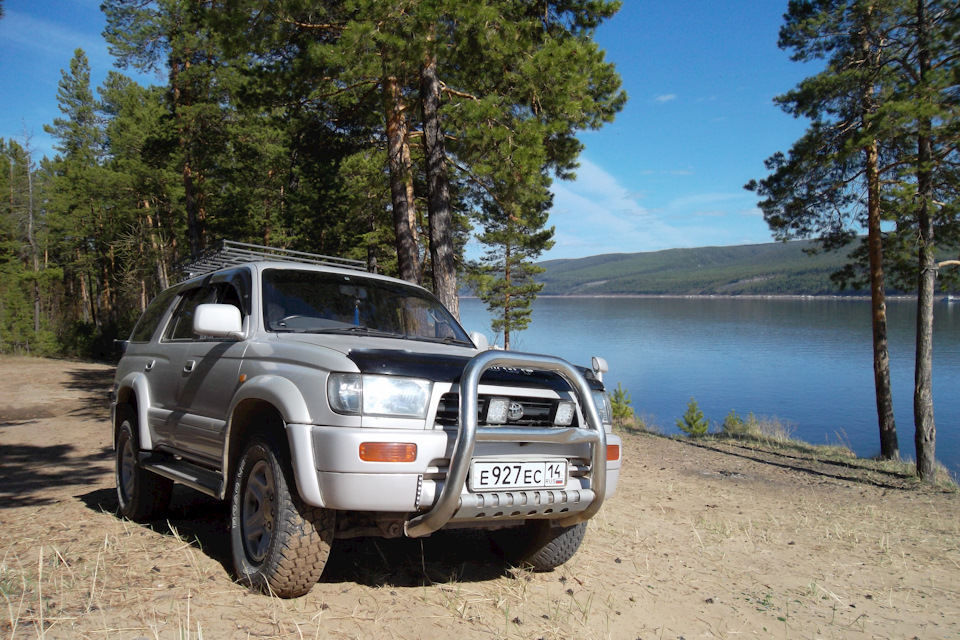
(366,331)
(446,340)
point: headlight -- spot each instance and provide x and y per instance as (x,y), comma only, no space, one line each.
(603,407)
(356,394)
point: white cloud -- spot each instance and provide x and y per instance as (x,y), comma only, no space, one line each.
(595,214)
(666,97)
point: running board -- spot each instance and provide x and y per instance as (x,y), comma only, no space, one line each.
(194,476)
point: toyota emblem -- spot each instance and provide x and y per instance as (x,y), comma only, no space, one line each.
(516,411)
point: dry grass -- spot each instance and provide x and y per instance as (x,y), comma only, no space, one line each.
(712,537)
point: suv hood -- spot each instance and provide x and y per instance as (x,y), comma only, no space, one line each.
(432,361)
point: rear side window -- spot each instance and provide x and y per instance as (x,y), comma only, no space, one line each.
(147,324)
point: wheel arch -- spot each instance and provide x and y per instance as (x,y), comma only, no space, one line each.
(268,405)
(134,392)
(248,418)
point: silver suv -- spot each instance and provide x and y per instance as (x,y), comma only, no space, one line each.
(326,402)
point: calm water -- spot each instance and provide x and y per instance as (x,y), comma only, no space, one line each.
(806,361)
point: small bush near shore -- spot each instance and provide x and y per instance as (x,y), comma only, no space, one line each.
(768,428)
(694,423)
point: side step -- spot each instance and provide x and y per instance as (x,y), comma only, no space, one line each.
(194,476)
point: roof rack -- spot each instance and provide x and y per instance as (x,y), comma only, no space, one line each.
(228,253)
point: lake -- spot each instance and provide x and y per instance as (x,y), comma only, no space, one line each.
(806,361)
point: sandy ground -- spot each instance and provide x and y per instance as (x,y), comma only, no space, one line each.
(701,541)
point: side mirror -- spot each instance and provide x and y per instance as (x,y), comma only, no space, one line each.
(218,321)
(480,340)
(600,367)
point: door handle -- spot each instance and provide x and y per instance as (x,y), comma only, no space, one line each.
(188,367)
(149,365)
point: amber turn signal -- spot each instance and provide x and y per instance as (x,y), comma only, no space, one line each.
(388,452)
(613,452)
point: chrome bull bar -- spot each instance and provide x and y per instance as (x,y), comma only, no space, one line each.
(449,501)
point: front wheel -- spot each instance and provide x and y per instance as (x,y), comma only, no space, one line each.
(280,545)
(538,544)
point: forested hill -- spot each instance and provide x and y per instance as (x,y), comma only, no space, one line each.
(761,269)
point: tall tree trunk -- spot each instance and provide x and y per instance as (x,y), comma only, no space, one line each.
(925,436)
(506,297)
(180,100)
(31,237)
(442,254)
(86,304)
(163,279)
(889,447)
(408,248)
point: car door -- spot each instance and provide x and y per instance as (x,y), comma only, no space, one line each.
(148,353)
(209,376)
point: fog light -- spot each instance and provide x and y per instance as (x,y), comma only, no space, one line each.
(565,413)
(388,452)
(613,452)
(497,410)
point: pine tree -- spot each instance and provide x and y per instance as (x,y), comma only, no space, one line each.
(829,185)
(504,279)
(927,194)
(140,186)
(693,422)
(80,214)
(885,115)
(177,36)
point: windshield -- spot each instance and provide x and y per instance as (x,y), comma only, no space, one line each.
(318,302)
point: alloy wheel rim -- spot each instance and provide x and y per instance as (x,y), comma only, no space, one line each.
(259,498)
(127,470)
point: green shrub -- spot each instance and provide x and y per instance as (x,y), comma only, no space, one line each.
(693,423)
(622,411)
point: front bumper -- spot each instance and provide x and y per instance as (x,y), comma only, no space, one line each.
(331,474)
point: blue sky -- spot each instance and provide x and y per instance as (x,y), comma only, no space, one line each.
(669,172)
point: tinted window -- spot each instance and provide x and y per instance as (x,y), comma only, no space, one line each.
(151,317)
(317,302)
(181,326)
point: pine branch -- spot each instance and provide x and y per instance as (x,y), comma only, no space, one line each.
(460,94)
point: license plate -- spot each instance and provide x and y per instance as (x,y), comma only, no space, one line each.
(496,476)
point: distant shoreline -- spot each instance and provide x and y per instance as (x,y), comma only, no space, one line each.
(724,296)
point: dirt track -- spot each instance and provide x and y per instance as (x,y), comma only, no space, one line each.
(700,541)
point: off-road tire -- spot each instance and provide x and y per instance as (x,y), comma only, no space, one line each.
(279,544)
(142,495)
(538,544)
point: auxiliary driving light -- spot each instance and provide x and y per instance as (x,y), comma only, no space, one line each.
(565,413)
(497,410)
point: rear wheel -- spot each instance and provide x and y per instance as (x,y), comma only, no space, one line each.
(280,545)
(538,544)
(142,495)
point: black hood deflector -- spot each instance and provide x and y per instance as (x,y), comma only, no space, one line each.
(448,368)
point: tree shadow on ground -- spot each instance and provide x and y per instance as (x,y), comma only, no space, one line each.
(95,385)
(445,557)
(193,517)
(27,471)
(817,467)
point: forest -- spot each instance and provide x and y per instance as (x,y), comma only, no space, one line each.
(383,132)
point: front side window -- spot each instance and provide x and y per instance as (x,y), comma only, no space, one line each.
(181,326)
(317,302)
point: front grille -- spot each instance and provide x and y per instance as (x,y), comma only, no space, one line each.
(537,412)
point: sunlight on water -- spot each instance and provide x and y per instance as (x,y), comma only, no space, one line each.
(805,361)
